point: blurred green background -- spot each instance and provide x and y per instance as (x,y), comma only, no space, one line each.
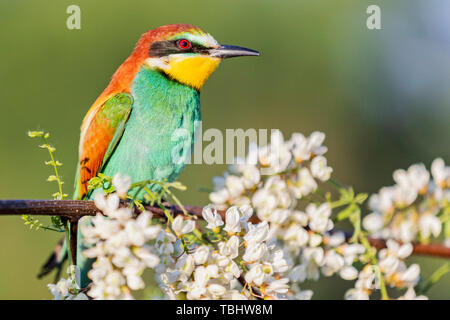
(381,96)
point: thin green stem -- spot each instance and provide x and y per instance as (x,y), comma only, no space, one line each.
(55,168)
(435,277)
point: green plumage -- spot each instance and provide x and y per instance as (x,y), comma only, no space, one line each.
(153,136)
(159,130)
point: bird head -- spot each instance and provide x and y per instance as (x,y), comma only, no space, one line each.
(185,53)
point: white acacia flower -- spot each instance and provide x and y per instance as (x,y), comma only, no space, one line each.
(186,265)
(416,177)
(120,248)
(410,294)
(245,211)
(335,239)
(276,156)
(234,185)
(319,168)
(257,233)
(429,225)
(230,248)
(279,263)
(315,240)
(233,220)
(299,217)
(304,185)
(395,249)
(351,251)
(201,254)
(212,270)
(216,290)
(65,289)
(255,275)
(406,232)
(181,226)
(133,272)
(298,273)
(383,201)
(312,259)
(199,286)
(373,222)
(299,145)
(135,233)
(348,273)
(304,148)
(220,196)
(332,263)
(303,295)
(122,256)
(441,173)
(211,216)
(315,142)
(295,236)
(107,204)
(250,175)
(357,294)
(232,269)
(279,216)
(367,279)
(146,256)
(265,202)
(410,276)
(278,286)
(121,183)
(254,252)
(319,217)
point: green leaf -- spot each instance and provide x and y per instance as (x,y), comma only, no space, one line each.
(178,185)
(35,134)
(48,147)
(361,197)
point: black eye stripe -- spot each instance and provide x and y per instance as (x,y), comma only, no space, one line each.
(164,48)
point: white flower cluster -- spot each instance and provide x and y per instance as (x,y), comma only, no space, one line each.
(314,248)
(394,271)
(120,247)
(296,168)
(256,180)
(412,208)
(286,172)
(67,289)
(241,264)
(289,239)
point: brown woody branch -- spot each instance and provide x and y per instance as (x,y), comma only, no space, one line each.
(73,210)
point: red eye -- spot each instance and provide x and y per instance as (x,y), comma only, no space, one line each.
(184,44)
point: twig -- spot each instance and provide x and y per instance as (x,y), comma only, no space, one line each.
(76,209)
(431,249)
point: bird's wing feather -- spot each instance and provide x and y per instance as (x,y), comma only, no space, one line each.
(100,133)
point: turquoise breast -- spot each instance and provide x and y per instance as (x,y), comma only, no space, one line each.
(159,133)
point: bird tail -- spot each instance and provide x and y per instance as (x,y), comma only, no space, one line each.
(56,260)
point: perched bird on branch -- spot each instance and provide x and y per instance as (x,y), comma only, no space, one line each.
(132,128)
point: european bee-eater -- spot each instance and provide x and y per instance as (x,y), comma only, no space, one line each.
(156,91)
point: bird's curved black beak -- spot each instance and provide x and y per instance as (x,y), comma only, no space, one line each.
(226,51)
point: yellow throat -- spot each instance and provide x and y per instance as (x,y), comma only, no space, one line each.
(192,71)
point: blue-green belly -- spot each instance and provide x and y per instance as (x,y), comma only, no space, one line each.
(160,131)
